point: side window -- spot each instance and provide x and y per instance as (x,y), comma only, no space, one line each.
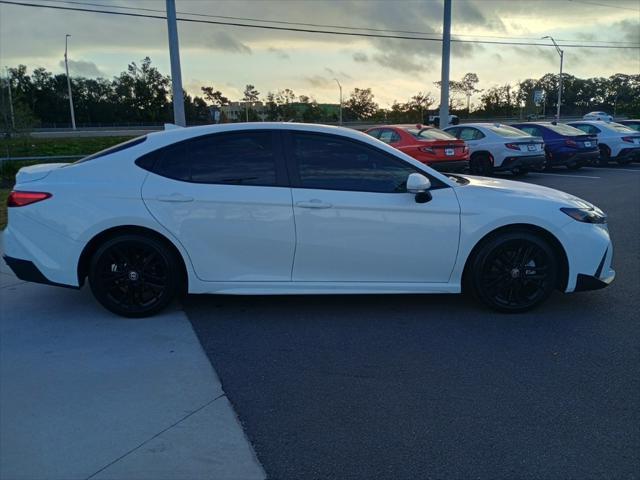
(246,158)
(375,133)
(453,131)
(531,131)
(389,136)
(334,163)
(586,128)
(469,133)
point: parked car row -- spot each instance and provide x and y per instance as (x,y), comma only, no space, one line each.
(485,148)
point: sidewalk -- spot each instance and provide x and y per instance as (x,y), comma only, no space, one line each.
(85,394)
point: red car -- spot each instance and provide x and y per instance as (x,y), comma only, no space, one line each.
(429,145)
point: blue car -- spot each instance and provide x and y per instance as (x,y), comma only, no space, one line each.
(564,145)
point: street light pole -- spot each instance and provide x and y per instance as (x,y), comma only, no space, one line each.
(13,118)
(340,87)
(444,78)
(66,67)
(561,53)
(176,74)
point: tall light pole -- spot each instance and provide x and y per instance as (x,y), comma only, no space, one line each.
(340,87)
(13,118)
(66,66)
(176,74)
(561,53)
(446,53)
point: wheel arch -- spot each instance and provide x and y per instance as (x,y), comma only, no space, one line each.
(95,242)
(556,245)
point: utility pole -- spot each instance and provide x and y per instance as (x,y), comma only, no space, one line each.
(340,87)
(176,75)
(561,53)
(13,118)
(66,66)
(446,53)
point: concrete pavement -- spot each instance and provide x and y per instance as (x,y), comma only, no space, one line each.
(85,394)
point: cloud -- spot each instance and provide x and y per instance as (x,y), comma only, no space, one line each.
(402,63)
(318,81)
(83,68)
(340,74)
(360,57)
(281,54)
(224,42)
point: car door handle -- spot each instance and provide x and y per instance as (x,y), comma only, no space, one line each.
(315,203)
(174,197)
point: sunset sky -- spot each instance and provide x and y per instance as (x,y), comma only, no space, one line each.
(229,57)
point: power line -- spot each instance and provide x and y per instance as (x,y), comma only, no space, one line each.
(605,5)
(320,25)
(304,30)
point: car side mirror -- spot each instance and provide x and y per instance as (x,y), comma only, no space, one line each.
(419,185)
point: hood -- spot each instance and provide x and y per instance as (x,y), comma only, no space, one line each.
(526,190)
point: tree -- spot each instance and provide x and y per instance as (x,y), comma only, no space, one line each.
(214,96)
(418,104)
(467,86)
(250,94)
(360,104)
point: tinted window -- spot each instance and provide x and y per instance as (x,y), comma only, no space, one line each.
(621,128)
(374,133)
(431,134)
(506,131)
(334,163)
(116,148)
(389,136)
(468,133)
(563,129)
(587,128)
(245,158)
(532,130)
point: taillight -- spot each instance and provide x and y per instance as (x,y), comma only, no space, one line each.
(20,199)
(571,143)
(427,149)
(628,139)
(512,146)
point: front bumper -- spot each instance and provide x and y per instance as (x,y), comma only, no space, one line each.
(529,162)
(599,279)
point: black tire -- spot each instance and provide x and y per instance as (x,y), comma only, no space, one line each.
(513,272)
(480,164)
(134,275)
(605,155)
(520,172)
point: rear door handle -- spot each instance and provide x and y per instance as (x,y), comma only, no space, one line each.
(315,203)
(174,197)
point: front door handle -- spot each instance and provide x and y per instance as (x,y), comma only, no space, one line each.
(174,197)
(315,203)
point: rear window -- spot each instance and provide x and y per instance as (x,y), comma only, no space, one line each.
(430,134)
(563,129)
(621,128)
(507,131)
(116,148)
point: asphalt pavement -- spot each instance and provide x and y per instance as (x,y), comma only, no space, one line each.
(409,386)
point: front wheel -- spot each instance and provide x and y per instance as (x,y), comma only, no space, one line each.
(514,272)
(134,275)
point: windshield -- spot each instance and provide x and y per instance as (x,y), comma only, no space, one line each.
(563,129)
(116,148)
(430,134)
(507,131)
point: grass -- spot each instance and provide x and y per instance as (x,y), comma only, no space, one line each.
(26,146)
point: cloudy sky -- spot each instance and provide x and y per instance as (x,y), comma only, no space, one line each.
(228,57)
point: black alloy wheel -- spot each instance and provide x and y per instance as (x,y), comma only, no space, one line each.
(605,155)
(514,272)
(133,275)
(480,164)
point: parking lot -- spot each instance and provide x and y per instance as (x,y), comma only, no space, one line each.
(335,386)
(436,386)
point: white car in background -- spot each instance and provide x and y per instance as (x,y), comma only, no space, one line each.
(617,142)
(495,147)
(285,208)
(602,116)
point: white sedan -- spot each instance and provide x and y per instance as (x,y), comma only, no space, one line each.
(601,116)
(616,142)
(282,208)
(496,147)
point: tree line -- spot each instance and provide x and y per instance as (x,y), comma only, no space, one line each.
(142,94)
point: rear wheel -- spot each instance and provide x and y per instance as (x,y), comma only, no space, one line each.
(133,275)
(480,164)
(514,272)
(519,172)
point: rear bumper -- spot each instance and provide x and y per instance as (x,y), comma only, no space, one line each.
(529,162)
(26,270)
(577,158)
(450,165)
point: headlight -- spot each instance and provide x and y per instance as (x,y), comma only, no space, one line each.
(586,215)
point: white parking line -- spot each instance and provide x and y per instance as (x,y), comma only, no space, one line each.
(620,169)
(566,175)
